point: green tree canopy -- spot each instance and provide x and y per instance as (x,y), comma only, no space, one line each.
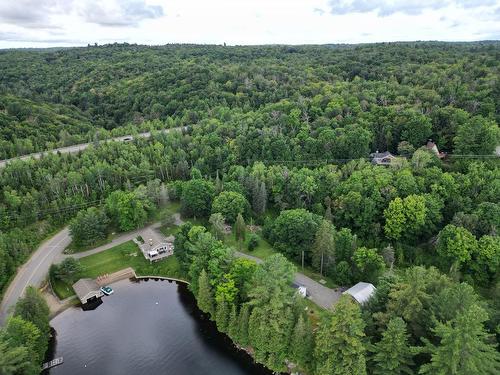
(456,244)
(230,204)
(196,198)
(294,231)
(127,210)
(88,226)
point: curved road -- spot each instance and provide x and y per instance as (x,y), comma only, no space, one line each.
(35,270)
(80,147)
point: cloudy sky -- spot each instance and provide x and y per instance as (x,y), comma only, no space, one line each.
(43,23)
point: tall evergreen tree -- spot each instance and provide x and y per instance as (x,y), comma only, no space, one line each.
(328,213)
(217,221)
(465,347)
(240,229)
(243,319)
(302,343)
(272,319)
(33,308)
(218,183)
(222,316)
(392,353)
(259,198)
(323,250)
(232,329)
(270,330)
(205,296)
(339,341)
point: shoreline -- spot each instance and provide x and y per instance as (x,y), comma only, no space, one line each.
(57,306)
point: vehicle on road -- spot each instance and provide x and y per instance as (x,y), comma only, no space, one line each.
(107,290)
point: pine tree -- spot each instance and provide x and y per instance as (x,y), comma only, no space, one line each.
(218,183)
(302,343)
(259,200)
(205,295)
(13,359)
(243,324)
(270,330)
(392,353)
(339,345)
(232,329)
(217,221)
(240,229)
(464,348)
(328,212)
(222,316)
(324,246)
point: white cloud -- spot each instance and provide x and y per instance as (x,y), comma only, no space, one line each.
(78,22)
(411,7)
(118,13)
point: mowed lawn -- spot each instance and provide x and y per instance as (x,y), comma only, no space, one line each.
(118,258)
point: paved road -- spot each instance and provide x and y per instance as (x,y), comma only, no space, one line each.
(80,147)
(36,268)
(34,271)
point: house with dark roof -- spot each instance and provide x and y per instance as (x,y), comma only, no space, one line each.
(382,158)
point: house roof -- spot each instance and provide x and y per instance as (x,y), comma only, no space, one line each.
(432,147)
(361,292)
(83,287)
(381,155)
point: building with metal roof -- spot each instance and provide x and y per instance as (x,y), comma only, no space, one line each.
(361,292)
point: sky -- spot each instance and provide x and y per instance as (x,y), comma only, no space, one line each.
(47,23)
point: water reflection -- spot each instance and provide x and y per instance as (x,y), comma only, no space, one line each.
(149,327)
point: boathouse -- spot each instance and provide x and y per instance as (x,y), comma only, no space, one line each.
(87,290)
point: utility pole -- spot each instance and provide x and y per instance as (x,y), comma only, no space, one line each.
(302,259)
(321,267)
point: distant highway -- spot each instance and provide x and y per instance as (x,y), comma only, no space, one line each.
(77,148)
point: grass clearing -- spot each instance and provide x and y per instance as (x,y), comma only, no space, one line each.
(61,289)
(170,208)
(169,230)
(72,248)
(263,250)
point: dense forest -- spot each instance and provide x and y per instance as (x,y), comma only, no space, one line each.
(281,137)
(382,94)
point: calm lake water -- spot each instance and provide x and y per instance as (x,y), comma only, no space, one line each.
(146,327)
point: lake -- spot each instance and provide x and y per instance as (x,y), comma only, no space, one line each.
(145,327)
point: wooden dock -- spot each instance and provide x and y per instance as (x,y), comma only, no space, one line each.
(55,362)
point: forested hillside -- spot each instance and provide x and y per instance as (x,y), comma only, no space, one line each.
(281,137)
(372,96)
